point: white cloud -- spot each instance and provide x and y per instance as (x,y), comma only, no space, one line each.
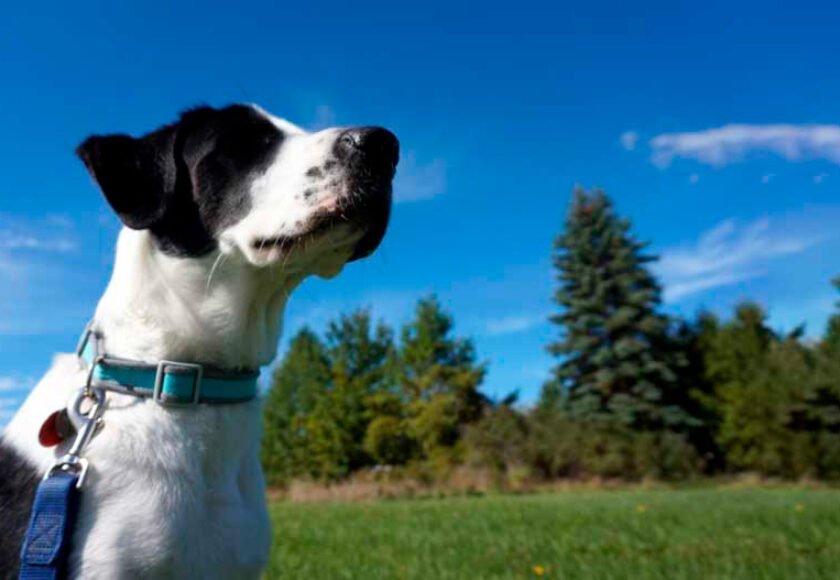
(8,384)
(513,324)
(11,241)
(52,234)
(9,402)
(725,255)
(732,143)
(32,258)
(676,291)
(8,407)
(416,182)
(629,140)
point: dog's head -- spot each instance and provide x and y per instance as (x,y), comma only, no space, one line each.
(240,181)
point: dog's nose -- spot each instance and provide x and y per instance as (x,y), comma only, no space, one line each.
(375,147)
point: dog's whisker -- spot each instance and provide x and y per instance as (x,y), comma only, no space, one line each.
(216,263)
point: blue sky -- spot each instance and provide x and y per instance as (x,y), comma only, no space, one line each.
(715,128)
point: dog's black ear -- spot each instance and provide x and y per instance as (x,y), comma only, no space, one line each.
(137,176)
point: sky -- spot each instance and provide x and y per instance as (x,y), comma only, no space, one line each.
(714,126)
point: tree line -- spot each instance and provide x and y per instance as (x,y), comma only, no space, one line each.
(634,394)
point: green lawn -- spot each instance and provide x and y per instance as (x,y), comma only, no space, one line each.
(785,534)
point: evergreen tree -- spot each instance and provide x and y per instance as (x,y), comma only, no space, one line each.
(693,341)
(323,398)
(359,355)
(440,376)
(756,376)
(615,358)
(298,385)
(821,413)
(831,342)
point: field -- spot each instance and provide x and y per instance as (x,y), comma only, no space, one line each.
(706,533)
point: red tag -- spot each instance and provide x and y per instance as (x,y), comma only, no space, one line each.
(49,435)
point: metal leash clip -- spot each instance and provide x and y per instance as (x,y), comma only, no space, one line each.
(89,420)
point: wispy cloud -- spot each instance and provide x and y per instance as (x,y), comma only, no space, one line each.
(733,143)
(8,384)
(52,234)
(629,140)
(419,181)
(11,241)
(15,384)
(727,254)
(32,257)
(514,324)
(8,407)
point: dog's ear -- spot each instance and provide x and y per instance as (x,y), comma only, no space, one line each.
(137,176)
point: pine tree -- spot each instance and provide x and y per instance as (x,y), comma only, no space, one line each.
(323,399)
(359,354)
(298,385)
(821,414)
(831,342)
(614,355)
(747,363)
(694,341)
(440,376)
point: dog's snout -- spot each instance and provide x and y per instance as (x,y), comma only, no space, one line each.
(376,147)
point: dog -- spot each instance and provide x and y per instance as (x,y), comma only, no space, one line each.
(225,212)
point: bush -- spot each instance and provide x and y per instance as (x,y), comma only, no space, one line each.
(388,441)
(497,441)
(551,445)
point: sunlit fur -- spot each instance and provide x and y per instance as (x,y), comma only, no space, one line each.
(179,493)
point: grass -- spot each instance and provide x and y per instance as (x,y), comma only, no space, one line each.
(704,533)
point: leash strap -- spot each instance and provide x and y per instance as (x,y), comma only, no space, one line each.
(46,546)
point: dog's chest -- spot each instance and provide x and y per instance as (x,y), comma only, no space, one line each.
(174,494)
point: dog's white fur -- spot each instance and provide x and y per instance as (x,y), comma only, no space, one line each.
(179,493)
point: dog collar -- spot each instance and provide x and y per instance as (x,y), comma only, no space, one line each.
(168,383)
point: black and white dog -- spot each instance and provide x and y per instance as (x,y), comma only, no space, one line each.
(227,211)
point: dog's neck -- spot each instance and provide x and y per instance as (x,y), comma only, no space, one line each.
(212,310)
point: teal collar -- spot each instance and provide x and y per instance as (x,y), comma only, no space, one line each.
(167,382)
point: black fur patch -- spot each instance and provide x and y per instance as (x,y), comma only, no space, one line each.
(187,181)
(18,481)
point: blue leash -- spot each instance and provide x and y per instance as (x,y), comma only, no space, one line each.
(47,544)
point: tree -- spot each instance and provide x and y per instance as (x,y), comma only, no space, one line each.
(323,399)
(821,413)
(614,356)
(298,385)
(440,376)
(831,341)
(760,378)
(693,341)
(359,356)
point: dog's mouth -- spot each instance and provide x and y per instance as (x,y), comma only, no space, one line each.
(359,221)
(320,224)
